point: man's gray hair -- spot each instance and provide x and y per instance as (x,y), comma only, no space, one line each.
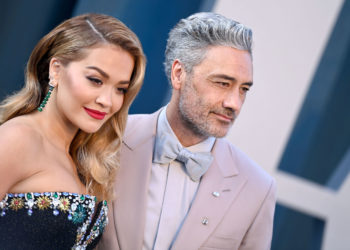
(190,38)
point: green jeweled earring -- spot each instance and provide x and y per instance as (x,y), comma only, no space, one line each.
(43,103)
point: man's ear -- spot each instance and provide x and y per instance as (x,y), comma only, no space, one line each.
(55,67)
(178,74)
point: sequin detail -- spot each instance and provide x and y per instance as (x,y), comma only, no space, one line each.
(79,215)
(79,209)
(43,203)
(83,239)
(64,204)
(16,203)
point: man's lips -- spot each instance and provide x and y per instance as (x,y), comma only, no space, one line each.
(225,117)
(95,113)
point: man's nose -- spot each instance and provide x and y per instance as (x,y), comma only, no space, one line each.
(233,100)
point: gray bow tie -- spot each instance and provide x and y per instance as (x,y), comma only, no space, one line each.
(168,149)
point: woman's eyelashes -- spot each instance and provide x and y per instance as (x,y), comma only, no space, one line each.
(94,80)
(97,81)
(122,90)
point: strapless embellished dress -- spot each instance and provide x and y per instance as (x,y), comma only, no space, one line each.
(51,220)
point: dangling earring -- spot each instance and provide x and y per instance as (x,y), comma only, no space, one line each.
(43,103)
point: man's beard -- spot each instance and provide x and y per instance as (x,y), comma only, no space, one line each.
(194,113)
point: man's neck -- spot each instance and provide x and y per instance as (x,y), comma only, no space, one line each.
(185,136)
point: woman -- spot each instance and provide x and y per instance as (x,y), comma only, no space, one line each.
(60,134)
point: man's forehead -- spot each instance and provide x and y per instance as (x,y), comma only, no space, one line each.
(226,62)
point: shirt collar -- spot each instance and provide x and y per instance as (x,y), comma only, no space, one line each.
(163,126)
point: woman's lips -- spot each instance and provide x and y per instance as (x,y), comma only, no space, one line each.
(95,113)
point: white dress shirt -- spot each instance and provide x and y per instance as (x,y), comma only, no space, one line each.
(170,195)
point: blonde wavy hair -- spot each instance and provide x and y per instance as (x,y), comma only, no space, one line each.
(95,154)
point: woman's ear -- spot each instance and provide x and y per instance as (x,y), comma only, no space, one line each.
(54,70)
(177,74)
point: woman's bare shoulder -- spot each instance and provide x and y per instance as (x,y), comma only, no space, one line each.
(20,146)
(19,133)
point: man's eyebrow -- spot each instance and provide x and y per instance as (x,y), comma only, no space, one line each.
(104,74)
(248,83)
(223,76)
(229,78)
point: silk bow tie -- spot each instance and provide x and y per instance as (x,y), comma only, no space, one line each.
(168,149)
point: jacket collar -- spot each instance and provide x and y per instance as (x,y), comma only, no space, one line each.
(138,133)
(224,154)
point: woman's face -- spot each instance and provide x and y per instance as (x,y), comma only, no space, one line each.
(91,90)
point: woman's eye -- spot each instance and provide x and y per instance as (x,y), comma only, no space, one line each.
(95,80)
(122,90)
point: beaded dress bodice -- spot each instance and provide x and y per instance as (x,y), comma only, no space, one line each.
(51,220)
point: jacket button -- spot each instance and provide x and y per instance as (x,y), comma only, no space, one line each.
(205,221)
(215,194)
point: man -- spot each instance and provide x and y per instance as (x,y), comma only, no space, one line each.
(180,185)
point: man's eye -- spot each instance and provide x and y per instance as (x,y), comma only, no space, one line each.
(245,89)
(95,80)
(224,84)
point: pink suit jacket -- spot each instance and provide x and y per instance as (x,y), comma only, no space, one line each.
(241,217)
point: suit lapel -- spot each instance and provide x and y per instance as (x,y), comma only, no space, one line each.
(133,180)
(209,208)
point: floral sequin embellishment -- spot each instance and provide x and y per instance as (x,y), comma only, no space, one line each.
(43,202)
(79,214)
(64,204)
(79,209)
(16,203)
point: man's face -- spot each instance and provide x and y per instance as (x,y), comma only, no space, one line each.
(211,96)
